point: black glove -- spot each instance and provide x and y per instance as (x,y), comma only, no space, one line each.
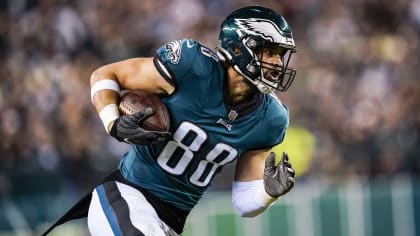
(278,180)
(127,129)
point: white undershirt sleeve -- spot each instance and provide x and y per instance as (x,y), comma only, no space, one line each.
(249,198)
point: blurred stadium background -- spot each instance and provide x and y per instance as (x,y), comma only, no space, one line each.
(355,117)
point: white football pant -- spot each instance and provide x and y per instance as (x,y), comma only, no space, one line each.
(121,210)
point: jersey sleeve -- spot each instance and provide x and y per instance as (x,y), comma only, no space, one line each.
(276,125)
(175,59)
(282,127)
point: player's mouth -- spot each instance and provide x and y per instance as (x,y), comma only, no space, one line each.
(273,75)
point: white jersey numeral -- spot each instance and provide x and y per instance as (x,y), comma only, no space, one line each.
(208,53)
(178,153)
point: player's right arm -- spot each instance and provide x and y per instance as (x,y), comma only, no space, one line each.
(131,74)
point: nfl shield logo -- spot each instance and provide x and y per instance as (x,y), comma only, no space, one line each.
(232,115)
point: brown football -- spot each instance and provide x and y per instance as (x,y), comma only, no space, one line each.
(137,100)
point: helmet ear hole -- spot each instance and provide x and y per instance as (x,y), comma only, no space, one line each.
(235,50)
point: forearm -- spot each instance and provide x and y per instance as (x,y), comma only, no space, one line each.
(253,191)
(105,90)
(249,198)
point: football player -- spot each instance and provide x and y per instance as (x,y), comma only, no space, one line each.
(223,110)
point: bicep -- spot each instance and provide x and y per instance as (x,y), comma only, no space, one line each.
(136,74)
(250,166)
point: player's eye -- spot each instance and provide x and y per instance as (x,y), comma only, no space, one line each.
(274,51)
(269,52)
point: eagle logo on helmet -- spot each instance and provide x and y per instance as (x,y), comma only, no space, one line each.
(263,28)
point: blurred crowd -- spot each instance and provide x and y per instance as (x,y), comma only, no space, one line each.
(357,89)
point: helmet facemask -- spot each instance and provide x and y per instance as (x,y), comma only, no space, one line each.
(264,75)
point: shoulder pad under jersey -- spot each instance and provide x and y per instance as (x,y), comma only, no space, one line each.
(177,58)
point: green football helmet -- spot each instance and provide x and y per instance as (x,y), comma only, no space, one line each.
(242,36)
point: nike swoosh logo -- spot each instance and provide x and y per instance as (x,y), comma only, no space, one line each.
(127,141)
(189,45)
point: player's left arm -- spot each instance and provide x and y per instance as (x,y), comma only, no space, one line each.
(259,182)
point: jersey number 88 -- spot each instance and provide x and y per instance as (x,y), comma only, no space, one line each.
(178,154)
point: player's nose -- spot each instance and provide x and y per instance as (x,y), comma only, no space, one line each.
(276,60)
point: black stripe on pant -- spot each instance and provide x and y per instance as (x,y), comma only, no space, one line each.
(116,210)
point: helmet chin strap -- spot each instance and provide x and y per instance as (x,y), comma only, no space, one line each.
(263,88)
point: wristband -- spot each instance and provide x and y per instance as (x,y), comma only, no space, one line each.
(102,85)
(108,115)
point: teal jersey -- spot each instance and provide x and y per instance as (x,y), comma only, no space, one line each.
(207,133)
